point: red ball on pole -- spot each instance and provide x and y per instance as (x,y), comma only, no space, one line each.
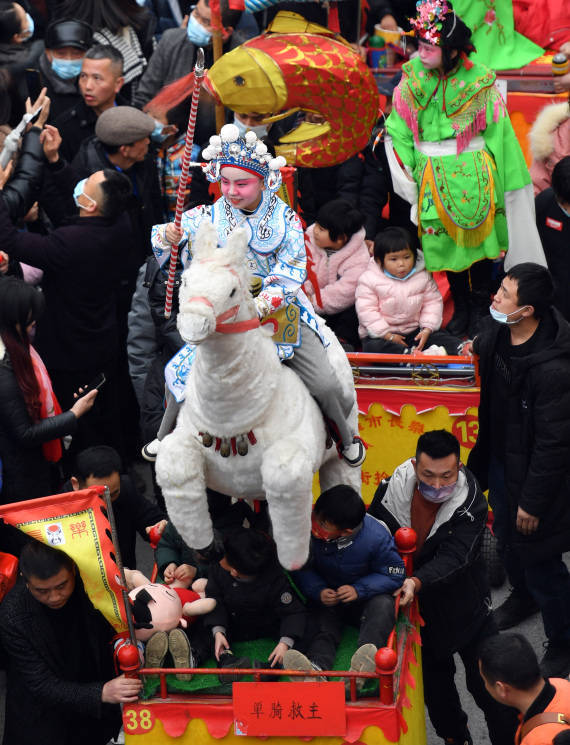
(128,659)
(386,661)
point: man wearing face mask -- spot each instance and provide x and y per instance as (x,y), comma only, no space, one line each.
(78,334)
(441,500)
(175,54)
(66,41)
(523,450)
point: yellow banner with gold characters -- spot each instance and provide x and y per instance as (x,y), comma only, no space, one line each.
(77,523)
(392,439)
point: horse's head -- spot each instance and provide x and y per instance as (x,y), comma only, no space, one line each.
(215,288)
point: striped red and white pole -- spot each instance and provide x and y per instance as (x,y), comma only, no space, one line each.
(185,175)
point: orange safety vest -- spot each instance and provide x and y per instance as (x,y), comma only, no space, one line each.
(542,733)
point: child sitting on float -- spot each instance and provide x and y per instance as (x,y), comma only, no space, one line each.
(399,306)
(249,178)
(340,255)
(254,599)
(352,573)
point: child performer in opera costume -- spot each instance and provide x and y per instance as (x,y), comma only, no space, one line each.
(249,177)
(454,156)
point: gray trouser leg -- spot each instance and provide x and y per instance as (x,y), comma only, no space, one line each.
(312,365)
(169,416)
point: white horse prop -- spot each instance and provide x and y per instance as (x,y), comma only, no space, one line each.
(238,392)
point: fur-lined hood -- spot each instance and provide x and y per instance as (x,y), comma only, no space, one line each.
(541,134)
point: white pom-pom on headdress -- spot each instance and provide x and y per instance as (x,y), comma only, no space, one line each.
(229,133)
(276,163)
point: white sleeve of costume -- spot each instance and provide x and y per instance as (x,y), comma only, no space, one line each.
(524,240)
(289,270)
(403,187)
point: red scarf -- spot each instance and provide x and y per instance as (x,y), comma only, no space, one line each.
(49,405)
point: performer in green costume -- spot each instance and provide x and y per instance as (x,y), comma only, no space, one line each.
(454,156)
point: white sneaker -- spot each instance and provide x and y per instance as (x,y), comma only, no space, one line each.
(294,660)
(355,453)
(150,450)
(362,662)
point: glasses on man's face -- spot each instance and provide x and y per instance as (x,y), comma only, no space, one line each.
(206,22)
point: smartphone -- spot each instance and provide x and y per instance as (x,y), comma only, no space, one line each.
(34,83)
(95,384)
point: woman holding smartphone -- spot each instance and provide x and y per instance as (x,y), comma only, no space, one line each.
(31,421)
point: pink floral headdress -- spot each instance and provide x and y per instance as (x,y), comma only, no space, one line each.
(429,19)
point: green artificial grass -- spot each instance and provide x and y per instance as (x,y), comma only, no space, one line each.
(259,649)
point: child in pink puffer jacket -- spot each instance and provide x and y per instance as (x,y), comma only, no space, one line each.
(339,255)
(399,305)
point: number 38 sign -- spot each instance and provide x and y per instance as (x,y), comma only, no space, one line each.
(138,721)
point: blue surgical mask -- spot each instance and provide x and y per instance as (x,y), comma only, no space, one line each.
(66,69)
(142,3)
(29,31)
(156,135)
(401,279)
(437,495)
(261,130)
(196,33)
(78,191)
(504,317)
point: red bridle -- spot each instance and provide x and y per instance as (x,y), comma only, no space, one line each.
(222,326)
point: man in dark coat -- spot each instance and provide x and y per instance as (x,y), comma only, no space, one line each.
(441,500)
(523,451)
(101,466)
(100,80)
(175,55)
(61,686)
(553,223)
(66,42)
(77,336)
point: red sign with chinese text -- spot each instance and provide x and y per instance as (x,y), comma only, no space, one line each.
(289,709)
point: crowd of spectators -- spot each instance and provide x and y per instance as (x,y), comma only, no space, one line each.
(84,342)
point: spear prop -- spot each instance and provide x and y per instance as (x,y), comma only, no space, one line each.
(185,176)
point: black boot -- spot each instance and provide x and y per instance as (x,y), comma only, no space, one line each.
(459,286)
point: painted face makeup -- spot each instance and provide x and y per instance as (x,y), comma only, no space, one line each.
(430,55)
(241,188)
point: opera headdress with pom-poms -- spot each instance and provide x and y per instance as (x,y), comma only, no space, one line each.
(247,153)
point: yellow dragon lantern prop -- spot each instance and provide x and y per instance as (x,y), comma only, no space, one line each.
(301,66)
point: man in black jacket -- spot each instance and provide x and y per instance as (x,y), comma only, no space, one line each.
(441,500)
(61,686)
(67,41)
(523,451)
(77,337)
(100,80)
(101,466)
(553,223)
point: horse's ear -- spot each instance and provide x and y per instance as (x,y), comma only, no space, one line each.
(236,246)
(206,240)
